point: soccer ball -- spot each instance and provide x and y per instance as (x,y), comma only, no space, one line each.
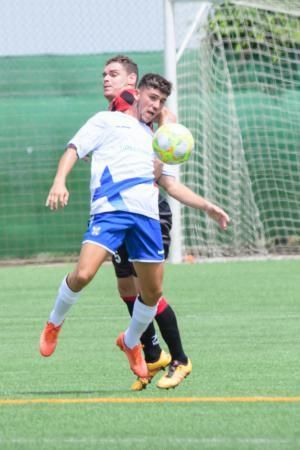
(173,143)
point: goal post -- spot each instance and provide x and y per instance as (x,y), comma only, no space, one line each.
(171,74)
(171,58)
(238,91)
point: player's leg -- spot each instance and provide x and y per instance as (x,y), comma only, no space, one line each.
(166,317)
(90,259)
(128,291)
(128,287)
(145,248)
(168,326)
(145,306)
(93,253)
(144,243)
(180,365)
(143,313)
(129,342)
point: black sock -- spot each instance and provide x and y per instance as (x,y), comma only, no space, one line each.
(168,326)
(149,339)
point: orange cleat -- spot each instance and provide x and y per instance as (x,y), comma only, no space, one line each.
(135,357)
(48,339)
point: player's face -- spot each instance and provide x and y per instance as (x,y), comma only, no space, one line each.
(150,104)
(115,79)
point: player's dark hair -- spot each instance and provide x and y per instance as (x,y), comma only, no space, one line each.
(129,65)
(153,80)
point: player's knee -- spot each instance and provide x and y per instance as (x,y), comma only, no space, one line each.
(127,292)
(83,277)
(152,296)
(126,287)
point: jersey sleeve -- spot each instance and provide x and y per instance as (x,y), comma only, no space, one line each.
(89,136)
(169,170)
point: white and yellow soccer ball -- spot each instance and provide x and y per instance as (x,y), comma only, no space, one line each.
(173,143)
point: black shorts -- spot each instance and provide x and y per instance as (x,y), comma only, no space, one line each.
(123,267)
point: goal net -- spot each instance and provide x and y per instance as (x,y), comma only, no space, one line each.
(238,76)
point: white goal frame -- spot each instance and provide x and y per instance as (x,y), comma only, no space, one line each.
(171,58)
(175,52)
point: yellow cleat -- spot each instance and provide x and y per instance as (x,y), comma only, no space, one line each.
(153,368)
(140,384)
(176,374)
(163,361)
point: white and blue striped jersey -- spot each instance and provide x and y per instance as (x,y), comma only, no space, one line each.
(122,176)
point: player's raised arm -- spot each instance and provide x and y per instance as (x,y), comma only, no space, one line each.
(186,196)
(59,194)
(165,116)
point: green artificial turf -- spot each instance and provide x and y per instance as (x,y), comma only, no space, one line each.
(239,323)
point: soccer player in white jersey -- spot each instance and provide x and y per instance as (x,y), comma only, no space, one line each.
(122,72)
(123,209)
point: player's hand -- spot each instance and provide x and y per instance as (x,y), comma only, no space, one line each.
(58,196)
(158,166)
(165,116)
(217,214)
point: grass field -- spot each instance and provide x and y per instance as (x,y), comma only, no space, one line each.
(240,326)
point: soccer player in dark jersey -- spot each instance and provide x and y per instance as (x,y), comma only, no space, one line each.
(121,72)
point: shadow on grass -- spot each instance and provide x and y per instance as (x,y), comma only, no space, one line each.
(65,392)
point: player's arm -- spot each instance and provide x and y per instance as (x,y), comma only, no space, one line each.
(165,116)
(85,140)
(158,168)
(186,196)
(59,194)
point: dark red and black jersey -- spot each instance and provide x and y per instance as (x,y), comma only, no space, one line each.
(123,101)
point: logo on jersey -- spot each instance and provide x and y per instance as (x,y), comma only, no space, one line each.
(95,230)
(112,189)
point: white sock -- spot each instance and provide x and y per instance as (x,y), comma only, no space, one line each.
(142,316)
(64,301)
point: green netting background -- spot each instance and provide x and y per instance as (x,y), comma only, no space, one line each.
(44,100)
